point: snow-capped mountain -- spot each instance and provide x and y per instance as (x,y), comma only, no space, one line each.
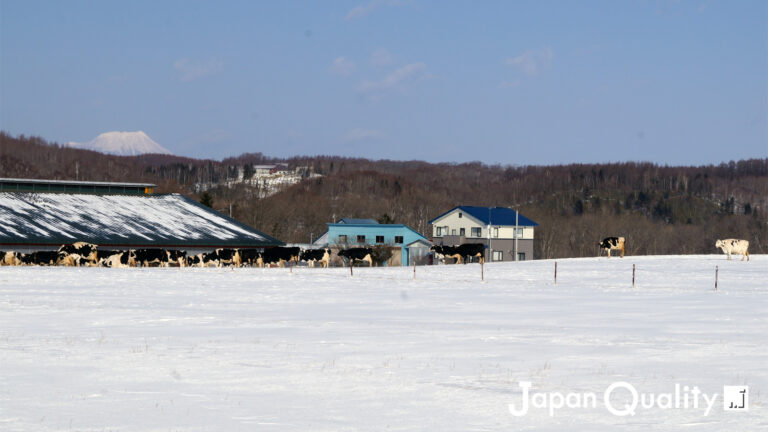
(122,144)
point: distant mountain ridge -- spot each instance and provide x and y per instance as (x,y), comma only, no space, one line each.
(122,144)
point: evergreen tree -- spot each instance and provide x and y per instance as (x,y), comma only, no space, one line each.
(206,199)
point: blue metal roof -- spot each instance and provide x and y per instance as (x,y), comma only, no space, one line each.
(492,216)
(358,221)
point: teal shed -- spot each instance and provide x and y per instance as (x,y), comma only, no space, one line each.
(367,232)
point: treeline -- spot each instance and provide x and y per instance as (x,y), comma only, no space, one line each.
(660,209)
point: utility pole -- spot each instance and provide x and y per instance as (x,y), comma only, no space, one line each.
(490,244)
(517,220)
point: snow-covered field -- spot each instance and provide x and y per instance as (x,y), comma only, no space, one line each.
(317,350)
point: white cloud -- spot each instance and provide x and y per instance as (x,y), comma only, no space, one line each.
(342,66)
(364,10)
(363,134)
(191,70)
(381,57)
(411,72)
(532,62)
(361,11)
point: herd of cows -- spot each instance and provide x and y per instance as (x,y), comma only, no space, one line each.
(87,254)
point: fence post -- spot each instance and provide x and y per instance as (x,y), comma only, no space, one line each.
(633,275)
(716,270)
(350,268)
(414,270)
(482,271)
(555,272)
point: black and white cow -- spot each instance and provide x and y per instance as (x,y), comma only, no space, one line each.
(205,259)
(103,255)
(47,258)
(227,256)
(10,258)
(443,252)
(249,256)
(357,254)
(150,257)
(734,246)
(77,254)
(26,259)
(612,243)
(461,252)
(118,259)
(176,257)
(195,260)
(278,255)
(313,256)
(476,250)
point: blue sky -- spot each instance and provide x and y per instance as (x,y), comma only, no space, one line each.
(533,82)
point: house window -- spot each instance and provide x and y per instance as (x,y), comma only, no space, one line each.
(495,231)
(498,256)
(453,232)
(519,233)
(438,231)
(476,232)
(361,239)
(379,239)
(460,214)
(521,256)
(399,239)
(342,238)
(462,232)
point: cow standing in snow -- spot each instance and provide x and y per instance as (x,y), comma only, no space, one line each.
(313,256)
(176,258)
(611,243)
(443,252)
(77,254)
(461,253)
(118,259)
(357,254)
(734,246)
(10,258)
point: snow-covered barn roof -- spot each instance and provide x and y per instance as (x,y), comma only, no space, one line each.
(119,220)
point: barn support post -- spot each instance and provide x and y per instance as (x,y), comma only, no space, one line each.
(716,270)
(633,275)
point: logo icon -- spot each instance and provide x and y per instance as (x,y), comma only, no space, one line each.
(736,398)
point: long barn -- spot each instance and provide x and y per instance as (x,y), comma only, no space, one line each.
(45,214)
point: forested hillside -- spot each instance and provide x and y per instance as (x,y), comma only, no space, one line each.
(660,209)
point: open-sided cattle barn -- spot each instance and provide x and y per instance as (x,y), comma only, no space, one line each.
(40,215)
